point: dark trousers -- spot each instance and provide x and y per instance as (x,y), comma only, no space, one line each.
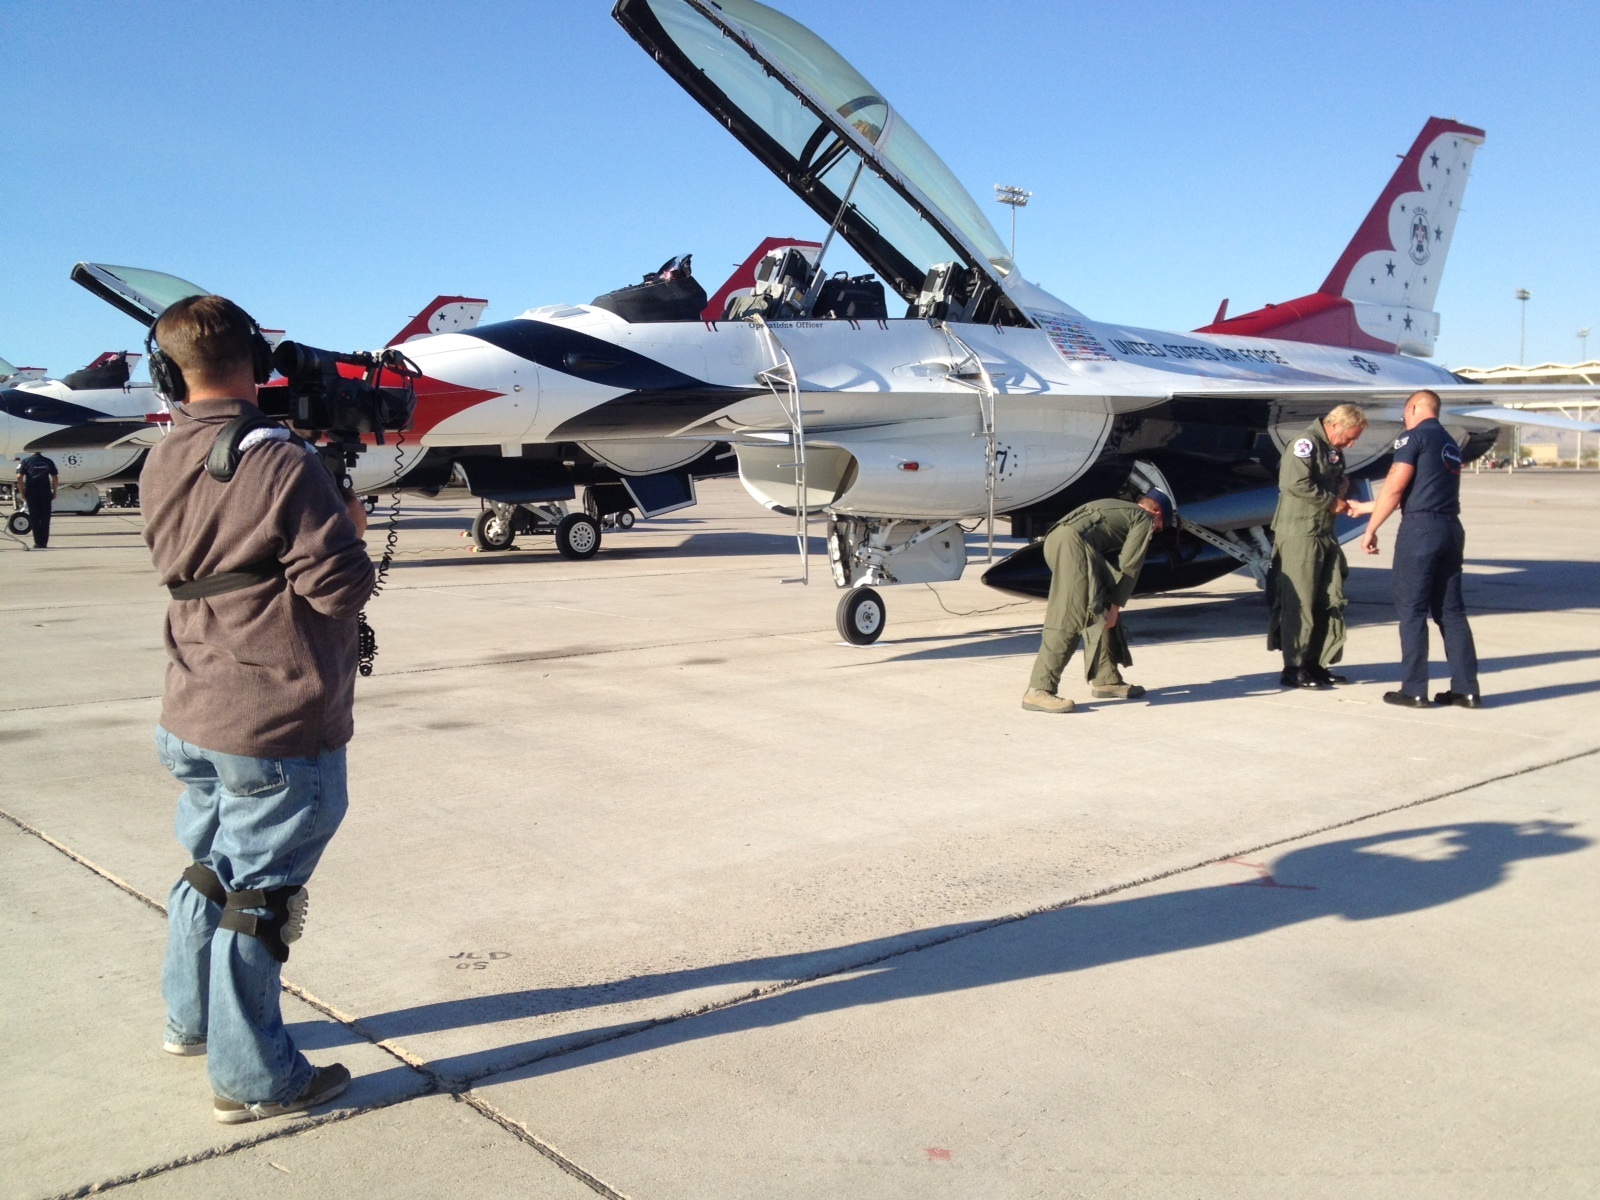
(39,515)
(1426,579)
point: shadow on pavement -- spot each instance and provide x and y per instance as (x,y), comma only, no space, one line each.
(1354,879)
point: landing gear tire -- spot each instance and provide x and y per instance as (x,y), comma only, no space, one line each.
(861,616)
(625,519)
(19,523)
(491,531)
(370,503)
(578,536)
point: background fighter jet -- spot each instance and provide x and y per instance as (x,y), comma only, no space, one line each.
(39,413)
(525,485)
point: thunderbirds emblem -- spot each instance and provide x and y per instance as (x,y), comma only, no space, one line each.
(1421,236)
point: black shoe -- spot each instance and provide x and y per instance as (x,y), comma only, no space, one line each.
(1406,700)
(1300,677)
(1326,676)
(1459,699)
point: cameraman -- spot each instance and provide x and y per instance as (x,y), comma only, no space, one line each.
(268,573)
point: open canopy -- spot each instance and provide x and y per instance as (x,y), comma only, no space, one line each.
(814,120)
(143,295)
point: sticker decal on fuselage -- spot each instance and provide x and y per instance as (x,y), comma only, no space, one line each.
(1072,340)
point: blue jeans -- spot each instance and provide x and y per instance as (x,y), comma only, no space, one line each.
(259,823)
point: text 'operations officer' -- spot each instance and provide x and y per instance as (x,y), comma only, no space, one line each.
(266,567)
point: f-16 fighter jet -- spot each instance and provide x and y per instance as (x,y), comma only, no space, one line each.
(946,387)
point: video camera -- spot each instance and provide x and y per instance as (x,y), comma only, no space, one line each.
(317,397)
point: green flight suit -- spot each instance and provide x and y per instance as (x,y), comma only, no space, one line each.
(1305,590)
(1095,553)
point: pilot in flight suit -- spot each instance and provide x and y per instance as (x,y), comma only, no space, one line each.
(1095,554)
(1305,589)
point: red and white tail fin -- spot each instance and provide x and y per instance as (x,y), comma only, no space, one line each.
(743,279)
(1380,294)
(447,314)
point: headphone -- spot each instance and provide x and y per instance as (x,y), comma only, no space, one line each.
(167,376)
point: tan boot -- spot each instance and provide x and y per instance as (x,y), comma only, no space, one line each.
(1036,701)
(1116,691)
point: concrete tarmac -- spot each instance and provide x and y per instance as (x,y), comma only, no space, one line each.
(650,887)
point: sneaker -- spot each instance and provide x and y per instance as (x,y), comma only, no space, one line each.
(184,1049)
(1116,691)
(1036,701)
(327,1083)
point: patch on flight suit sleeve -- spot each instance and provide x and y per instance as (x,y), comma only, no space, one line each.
(1401,441)
(1303,448)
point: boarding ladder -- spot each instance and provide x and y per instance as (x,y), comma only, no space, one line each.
(968,371)
(780,379)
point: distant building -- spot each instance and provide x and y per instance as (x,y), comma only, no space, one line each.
(1549,447)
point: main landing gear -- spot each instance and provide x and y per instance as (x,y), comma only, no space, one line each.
(577,534)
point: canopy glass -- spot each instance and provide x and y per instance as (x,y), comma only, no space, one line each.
(143,295)
(814,119)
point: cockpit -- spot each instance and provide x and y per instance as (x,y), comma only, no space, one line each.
(827,133)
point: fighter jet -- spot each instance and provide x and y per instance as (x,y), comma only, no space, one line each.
(525,485)
(983,395)
(38,413)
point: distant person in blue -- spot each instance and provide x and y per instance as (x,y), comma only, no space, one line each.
(36,480)
(1424,483)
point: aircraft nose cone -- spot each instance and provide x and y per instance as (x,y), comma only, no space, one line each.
(1024,573)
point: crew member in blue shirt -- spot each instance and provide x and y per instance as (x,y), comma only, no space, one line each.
(1424,483)
(36,480)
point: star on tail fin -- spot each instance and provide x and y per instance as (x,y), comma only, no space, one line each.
(1380,294)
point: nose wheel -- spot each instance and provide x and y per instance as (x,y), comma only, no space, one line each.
(861,616)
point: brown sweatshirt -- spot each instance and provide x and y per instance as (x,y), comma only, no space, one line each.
(267,671)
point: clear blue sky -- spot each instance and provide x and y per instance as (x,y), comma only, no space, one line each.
(332,167)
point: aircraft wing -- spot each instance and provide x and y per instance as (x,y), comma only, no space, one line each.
(1475,403)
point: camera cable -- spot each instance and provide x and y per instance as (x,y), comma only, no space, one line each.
(367,644)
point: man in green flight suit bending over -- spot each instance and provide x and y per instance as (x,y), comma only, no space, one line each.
(1306,586)
(1095,554)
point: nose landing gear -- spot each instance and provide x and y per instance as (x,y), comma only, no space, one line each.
(861,616)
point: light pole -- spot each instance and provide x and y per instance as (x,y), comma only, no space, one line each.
(1524,295)
(1583,344)
(1014,198)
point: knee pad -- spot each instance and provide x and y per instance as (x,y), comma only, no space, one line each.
(286,907)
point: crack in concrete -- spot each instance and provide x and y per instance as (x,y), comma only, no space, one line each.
(435,1084)
(459,1089)
(773,989)
(299,1126)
